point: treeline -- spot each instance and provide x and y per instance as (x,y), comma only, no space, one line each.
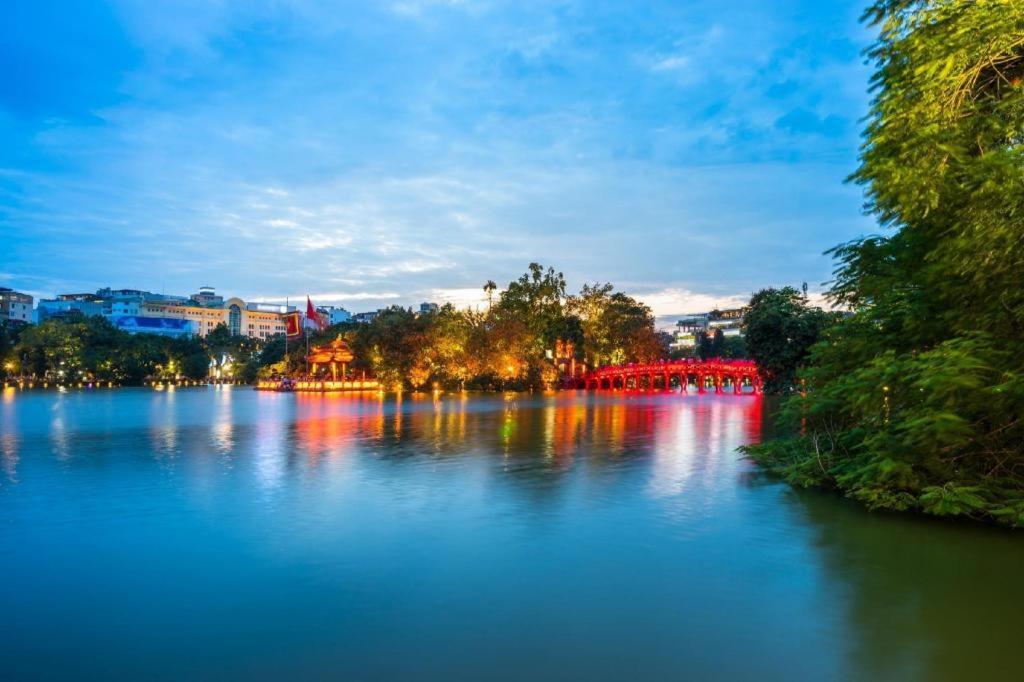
(512,344)
(78,349)
(915,401)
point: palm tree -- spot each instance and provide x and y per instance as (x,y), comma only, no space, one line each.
(489,288)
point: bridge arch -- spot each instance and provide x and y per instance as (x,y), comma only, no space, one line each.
(715,374)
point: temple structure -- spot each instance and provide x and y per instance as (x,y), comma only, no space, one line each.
(334,355)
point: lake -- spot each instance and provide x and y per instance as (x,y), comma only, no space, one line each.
(213,533)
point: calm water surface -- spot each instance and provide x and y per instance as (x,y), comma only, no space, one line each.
(225,533)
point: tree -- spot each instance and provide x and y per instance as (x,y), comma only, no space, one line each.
(9,335)
(718,344)
(615,328)
(489,287)
(914,401)
(527,321)
(735,347)
(218,343)
(780,330)
(394,347)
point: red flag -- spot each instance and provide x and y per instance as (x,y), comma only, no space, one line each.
(312,314)
(293,324)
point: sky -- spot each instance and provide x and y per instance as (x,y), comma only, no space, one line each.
(379,153)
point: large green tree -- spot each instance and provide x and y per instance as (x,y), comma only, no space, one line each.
(614,327)
(780,329)
(915,401)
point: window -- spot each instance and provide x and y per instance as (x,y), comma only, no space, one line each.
(235,319)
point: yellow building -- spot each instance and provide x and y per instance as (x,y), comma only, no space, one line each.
(255,320)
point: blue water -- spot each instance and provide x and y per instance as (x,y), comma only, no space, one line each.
(231,534)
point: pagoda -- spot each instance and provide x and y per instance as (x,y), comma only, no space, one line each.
(335,353)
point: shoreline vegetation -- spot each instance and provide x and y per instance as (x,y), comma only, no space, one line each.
(915,400)
(515,343)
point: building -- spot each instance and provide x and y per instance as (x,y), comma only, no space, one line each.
(334,314)
(254,320)
(207,296)
(729,321)
(365,318)
(428,308)
(129,309)
(65,304)
(15,306)
(689,327)
(105,302)
(108,294)
(162,326)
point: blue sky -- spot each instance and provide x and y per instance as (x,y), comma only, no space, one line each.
(393,152)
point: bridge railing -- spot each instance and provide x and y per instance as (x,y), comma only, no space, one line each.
(716,371)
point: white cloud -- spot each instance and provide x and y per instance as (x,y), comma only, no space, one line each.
(328,297)
(415,8)
(669,302)
(461,298)
(671,63)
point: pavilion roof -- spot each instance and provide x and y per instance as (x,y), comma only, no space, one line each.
(336,351)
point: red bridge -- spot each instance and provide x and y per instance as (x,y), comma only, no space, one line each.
(712,373)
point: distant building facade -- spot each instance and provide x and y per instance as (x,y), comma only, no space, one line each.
(254,320)
(207,296)
(197,315)
(161,326)
(15,306)
(428,308)
(690,327)
(334,314)
(729,321)
(66,304)
(365,318)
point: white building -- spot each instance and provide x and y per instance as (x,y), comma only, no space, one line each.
(335,314)
(134,311)
(689,327)
(255,320)
(15,306)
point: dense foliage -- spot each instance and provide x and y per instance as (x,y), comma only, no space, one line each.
(514,344)
(81,349)
(917,400)
(780,329)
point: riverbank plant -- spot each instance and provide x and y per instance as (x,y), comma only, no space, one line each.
(916,401)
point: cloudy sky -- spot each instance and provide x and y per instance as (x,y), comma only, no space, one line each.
(368,153)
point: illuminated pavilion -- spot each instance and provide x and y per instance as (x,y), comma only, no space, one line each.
(337,352)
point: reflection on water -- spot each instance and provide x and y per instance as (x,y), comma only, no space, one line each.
(205,533)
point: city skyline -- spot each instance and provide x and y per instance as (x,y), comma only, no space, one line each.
(411,151)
